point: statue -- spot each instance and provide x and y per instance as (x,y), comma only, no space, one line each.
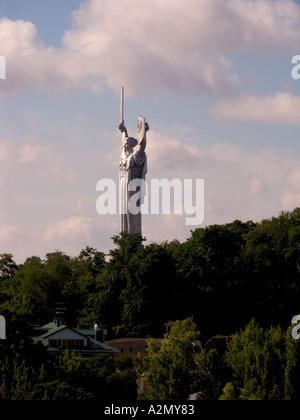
(133,166)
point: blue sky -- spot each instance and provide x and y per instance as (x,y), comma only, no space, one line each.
(213,80)
(51,17)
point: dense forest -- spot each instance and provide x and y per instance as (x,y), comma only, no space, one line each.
(240,279)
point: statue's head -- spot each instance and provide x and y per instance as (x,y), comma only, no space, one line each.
(129,143)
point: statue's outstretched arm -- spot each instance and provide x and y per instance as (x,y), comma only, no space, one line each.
(143,143)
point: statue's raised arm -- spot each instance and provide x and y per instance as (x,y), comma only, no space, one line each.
(123,130)
(143,128)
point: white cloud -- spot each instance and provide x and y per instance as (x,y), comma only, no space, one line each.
(34,162)
(290,200)
(14,158)
(8,234)
(281,108)
(263,25)
(256,186)
(290,196)
(28,152)
(169,154)
(160,46)
(169,46)
(294,179)
(69,230)
(68,235)
(29,63)
(14,239)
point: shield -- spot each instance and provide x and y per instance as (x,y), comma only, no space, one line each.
(141,128)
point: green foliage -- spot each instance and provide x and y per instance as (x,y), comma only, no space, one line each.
(59,391)
(212,374)
(214,278)
(257,359)
(222,276)
(125,246)
(272,262)
(292,371)
(70,378)
(132,282)
(8,267)
(150,275)
(70,362)
(172,367)
(230,393)
(32,292)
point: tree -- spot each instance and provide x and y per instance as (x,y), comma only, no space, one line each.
(230,393)
(137,292)
(150,298)
(172,367)
(292,371)
(95,260)
(126,244)
(212,272)
(108,378)
(105,304)
(212,375)
(59,391)
(257,358)
(8,267)
(31,294)
(28,295)
(271,258)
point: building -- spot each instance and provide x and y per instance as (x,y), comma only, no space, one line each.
(58,337)
(219,342)
(133,346)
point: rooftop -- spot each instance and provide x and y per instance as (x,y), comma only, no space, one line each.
(66,337)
